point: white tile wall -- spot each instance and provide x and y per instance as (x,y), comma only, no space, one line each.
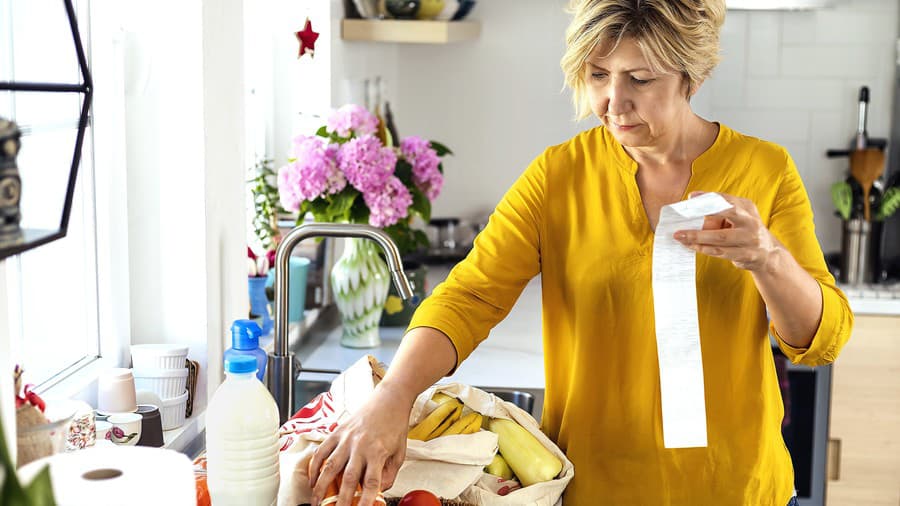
(794,78)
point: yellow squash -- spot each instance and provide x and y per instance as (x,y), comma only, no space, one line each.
(526,456)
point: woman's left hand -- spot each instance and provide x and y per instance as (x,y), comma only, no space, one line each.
(736,234)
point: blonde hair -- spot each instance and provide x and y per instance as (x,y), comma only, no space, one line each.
(680,36)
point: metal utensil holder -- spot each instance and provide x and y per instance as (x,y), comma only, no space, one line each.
(860,252)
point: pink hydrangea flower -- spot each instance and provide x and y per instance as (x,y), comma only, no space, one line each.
(389,205)
(312,173)
(424,160)
(351,118)
(366,164)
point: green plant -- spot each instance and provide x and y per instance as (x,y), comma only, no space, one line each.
(37,493)
(266,206)
(890,202)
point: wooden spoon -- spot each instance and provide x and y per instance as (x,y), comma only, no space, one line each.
(866,166)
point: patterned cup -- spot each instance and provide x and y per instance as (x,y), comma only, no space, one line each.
(126,428)
(82,431)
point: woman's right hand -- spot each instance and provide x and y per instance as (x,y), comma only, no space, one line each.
(369,447)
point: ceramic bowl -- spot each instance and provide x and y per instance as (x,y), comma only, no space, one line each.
(126,428)
(158,356)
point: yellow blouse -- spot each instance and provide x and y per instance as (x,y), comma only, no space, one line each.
(575,216)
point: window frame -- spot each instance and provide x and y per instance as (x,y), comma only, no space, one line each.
(104,202)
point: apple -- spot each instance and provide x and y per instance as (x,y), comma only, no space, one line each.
(419,498)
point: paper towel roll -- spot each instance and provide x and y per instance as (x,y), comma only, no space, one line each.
(118,475)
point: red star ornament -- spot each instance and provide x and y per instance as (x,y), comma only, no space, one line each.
(307,38)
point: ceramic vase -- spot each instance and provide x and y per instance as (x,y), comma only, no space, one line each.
(359,282)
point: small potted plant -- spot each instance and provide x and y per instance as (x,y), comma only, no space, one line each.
(29,411)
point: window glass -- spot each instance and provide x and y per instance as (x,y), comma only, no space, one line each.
(52,290)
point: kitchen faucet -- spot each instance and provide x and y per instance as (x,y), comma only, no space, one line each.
(280,369)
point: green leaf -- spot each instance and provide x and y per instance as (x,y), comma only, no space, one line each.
(38,493)
(319,209)
(407,239)
(323,132)
(359,213)
(266,203)
(440,149)
(421,205)
(403,171)
(890,202)
(40,490)
(339,207)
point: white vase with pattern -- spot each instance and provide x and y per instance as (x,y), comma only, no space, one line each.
(360,282)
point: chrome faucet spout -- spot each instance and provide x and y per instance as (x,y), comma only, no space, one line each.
(281,368)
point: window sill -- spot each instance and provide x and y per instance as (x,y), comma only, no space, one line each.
(79,383)
(190,438)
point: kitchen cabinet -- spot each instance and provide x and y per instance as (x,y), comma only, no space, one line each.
(409,31)
(864,436)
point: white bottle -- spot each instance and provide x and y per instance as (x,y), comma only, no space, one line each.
(242,439)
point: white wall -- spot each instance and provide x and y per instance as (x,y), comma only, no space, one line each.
(186,179)
(794,78)
(304,90)
(224,186)
(165,166)
(789,77)
(495,101)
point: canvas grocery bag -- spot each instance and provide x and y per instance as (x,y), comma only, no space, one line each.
(444,467)
(486,489)
(449,466)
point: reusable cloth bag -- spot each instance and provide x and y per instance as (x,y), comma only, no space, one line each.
(487,488)
(449,466)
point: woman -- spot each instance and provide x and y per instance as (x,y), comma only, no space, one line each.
(583,216)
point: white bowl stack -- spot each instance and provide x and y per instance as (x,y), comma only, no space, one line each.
(160,368)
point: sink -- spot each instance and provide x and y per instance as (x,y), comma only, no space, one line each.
(306,390)
(524,400)
(529,399)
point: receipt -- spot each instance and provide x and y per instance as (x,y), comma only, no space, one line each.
(677,329)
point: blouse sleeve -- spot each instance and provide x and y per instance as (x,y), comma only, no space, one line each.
(792,223)
(482,289)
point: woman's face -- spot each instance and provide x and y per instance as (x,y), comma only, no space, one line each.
(641,108)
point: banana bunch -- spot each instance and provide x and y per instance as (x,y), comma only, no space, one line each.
(445,420)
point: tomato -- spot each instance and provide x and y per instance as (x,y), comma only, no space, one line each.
(419,498)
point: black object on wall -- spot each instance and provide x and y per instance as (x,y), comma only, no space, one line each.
(32,238)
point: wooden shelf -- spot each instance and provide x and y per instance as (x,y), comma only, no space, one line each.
(409,31)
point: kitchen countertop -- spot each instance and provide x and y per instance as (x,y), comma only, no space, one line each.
(515,342)
(881,299)
(512,356)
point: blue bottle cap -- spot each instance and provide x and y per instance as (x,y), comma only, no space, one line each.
(240,364)
(245,335)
